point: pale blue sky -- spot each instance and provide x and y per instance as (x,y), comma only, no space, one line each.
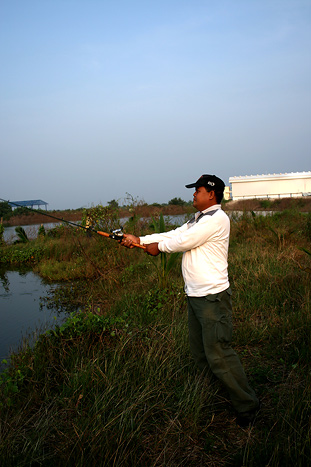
(103,98)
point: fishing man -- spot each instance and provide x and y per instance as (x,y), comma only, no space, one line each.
(204,241)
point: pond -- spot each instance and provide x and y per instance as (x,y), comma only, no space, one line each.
(22,311)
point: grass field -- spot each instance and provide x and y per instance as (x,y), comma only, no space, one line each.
(116,385)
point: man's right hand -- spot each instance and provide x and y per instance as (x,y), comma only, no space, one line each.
(129,239)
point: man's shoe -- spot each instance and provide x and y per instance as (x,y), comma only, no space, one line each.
(246,419)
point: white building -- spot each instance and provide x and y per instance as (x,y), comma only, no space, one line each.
(227,193)
(271,186)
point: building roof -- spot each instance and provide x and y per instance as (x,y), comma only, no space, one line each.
(290,175)
(31,202)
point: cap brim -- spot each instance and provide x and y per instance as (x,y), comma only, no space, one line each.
(192,185)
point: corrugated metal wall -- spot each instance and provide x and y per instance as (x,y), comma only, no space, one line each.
(271,186)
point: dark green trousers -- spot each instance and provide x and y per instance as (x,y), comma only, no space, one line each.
(210,334)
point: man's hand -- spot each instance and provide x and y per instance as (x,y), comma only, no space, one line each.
(129,239)
(152,249)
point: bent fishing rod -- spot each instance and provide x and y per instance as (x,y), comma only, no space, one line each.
(115,234)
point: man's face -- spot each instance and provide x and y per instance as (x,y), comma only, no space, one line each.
(203,199)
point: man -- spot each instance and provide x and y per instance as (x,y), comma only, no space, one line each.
(204,241)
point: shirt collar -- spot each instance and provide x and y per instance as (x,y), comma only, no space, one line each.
(211,208)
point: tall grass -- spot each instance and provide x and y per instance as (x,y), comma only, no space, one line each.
(116,385)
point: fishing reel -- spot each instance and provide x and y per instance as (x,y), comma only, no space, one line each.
(117,234)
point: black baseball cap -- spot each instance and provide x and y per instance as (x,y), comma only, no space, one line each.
(211,182)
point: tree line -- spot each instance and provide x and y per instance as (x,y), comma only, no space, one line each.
(7,212)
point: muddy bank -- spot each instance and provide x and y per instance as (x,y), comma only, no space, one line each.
(36,218)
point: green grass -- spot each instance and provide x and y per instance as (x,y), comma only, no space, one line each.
(115,385)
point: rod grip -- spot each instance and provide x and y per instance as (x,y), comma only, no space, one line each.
(137,245)
(104,234)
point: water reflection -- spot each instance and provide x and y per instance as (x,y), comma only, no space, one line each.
(22,312)
(4,281)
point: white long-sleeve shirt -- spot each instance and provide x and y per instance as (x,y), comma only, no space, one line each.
(205,251)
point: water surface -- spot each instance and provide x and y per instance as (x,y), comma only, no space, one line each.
(22,313)
(9,235)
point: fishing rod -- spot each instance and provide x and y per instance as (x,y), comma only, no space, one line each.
(116,234)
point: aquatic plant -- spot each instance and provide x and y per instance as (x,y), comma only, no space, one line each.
(101,218)
(22,236)
(41,231)
(1,233)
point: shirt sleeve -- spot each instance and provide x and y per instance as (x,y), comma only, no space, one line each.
(205,230)
(160,237)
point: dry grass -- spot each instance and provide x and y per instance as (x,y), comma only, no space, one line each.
(282,204)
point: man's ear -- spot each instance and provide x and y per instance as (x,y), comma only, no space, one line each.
(211,194)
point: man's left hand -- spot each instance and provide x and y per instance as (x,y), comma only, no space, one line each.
(152,249)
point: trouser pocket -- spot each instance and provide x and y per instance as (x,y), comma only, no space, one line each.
(217,317)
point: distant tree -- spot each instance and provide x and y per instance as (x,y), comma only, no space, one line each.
(177,202)
(113,204)
(5,210)
(21,211)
